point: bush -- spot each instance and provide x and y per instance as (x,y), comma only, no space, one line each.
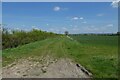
(16,38)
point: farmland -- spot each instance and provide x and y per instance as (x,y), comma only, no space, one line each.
(98,54)
(60,40)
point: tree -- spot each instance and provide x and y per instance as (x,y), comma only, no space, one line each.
(66,32)
(118,33)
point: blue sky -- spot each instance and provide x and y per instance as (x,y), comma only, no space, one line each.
(77,17)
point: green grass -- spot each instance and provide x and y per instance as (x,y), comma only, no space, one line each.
(99,54)
(96,53)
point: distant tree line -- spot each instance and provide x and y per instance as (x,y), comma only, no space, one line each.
(105,34)
(19,37)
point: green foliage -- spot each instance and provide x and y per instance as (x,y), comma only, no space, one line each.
(16,38)
(98,54)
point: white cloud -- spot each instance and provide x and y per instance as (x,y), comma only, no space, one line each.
(81,18)
(100,14)
(115,3)
(56,8)
(75,18)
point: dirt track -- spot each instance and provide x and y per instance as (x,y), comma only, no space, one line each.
(44,68)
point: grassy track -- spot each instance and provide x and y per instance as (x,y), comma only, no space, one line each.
(97,53)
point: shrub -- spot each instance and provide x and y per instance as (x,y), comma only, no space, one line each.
(16,38)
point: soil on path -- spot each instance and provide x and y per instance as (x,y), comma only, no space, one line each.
(45,67)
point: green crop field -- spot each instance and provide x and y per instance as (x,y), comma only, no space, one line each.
(98,54)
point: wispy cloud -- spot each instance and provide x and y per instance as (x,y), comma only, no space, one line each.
(51,29)
(92,28)
(77,18)
(75,29)
(115,3)
(75,26)
(81,18)
(98,29)
(18,29)
(110,25)
(56,8)
(64,28)
(35,27)
(101,14)
(47,24)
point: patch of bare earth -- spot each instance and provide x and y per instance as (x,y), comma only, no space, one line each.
(46,67)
